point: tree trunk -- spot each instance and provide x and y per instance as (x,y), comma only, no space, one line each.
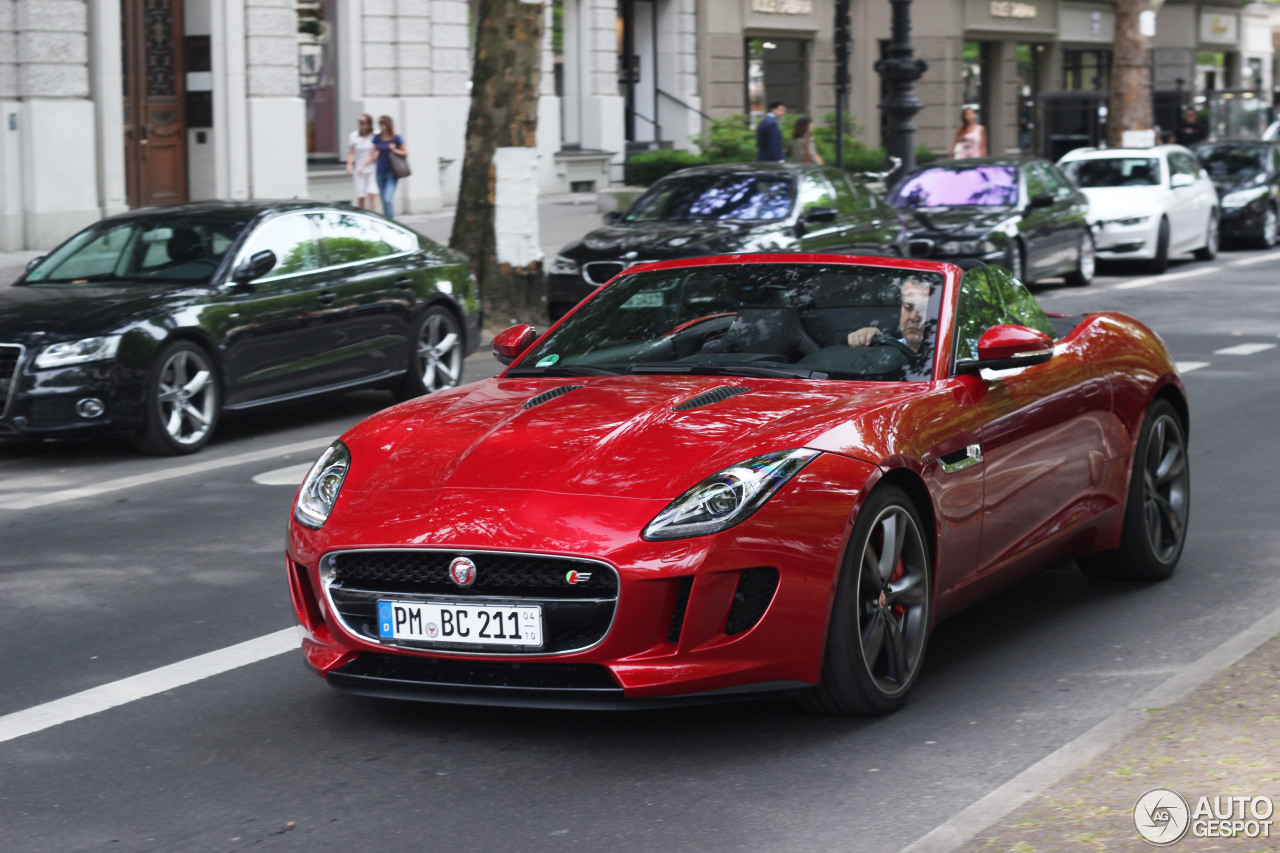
(496,223)
(1130,96)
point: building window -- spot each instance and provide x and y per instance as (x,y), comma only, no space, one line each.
(1086,70)
(777,70)
(317,75)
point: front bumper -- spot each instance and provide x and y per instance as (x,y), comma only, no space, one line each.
(1127,242)
(1242,222)
(691,622)
(43,403)
(566,291)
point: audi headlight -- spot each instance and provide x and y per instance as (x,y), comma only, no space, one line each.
(727,496)
(1241,198)
(79,352)
(320,488)
(563,266)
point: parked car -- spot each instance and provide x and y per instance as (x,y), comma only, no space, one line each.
(154,322)
(726,209)
(1021,213)
(732,475)
(1147,203)
(1246,175)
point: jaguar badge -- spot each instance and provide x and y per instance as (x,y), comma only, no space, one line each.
(462,571)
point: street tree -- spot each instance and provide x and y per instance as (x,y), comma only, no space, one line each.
(496,223)
(1129,106)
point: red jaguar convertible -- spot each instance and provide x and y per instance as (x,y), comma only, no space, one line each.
(764,474)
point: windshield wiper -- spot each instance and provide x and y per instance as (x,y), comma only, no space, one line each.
(563,370)
(781,371)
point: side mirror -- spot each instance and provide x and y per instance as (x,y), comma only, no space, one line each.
(1041,200)
(613,217)
(258,265)
(1006,346)
(1182,179)
(33,263)
(510,344)
(818,213)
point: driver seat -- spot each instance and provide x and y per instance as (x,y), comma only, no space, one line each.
(184,245)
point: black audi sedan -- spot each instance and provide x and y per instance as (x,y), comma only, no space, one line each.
(727,209)
(1246,174)
(1021,213)
(152,323)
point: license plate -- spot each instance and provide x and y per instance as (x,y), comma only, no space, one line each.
(448,622)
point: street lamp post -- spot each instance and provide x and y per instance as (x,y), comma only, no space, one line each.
(900,70)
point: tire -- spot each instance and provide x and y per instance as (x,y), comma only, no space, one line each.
(1157,508)
(1015,261)
(1209,250)
(1082,275)
(436,353)
(1270,232)
(868,610)
(183,401)
(1160,262)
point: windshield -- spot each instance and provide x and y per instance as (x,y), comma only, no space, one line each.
(956,185)
(1234,162)
(744,198)
(812,321)
(1114,172)
(174,249)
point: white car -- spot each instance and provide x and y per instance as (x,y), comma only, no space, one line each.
(1146,203)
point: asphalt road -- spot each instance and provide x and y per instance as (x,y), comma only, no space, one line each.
(153,562)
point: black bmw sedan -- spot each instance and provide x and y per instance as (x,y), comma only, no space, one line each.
(152,323)
(727,209)
(1021,213)
(1246,174)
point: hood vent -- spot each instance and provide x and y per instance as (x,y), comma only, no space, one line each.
(715,395)
(549,395)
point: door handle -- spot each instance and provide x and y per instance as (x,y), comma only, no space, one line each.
(326,298)
(961,459)
(404,283)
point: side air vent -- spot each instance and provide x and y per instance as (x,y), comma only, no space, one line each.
(682,604)
(750,600)
(549,395)
(715,395)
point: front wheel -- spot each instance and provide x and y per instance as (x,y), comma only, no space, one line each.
(1270,231)
(1160,262)
(183,401)
(435,362)
(1157,508)
(880,614)
(1083,273)
(1209,250)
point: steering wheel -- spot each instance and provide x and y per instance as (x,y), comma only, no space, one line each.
(882,340)
(690,323)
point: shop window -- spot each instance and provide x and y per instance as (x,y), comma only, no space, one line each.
(317,75)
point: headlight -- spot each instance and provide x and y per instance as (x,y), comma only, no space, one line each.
(564,266)
(728,496)
(320,488)
(1128,222)
(79,352)
(1240,198)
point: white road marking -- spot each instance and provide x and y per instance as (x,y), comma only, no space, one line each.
(1260,259)
(291,476)
(1172,276)
(1244,349)
(966,825)
(1188,366)
(92,490)
(107,696)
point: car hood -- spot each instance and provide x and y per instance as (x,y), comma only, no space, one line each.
(73,312)
(965,220)
(620,437)
(662,240)
(1223,186)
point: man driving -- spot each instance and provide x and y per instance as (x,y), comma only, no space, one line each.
(915,304)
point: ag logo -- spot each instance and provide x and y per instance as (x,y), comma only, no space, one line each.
(575,577)
(1161,816)
(462,571)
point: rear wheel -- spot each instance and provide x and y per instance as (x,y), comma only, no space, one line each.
(1083,273)
(1209,250)
(1160,262)
(880,614)
(435,362)
(183,401)
(1157,508)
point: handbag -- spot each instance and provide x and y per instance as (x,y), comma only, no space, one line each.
(399,165)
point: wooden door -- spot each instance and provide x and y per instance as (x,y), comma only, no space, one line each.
(155,127)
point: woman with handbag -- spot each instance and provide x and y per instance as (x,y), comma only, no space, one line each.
(391,154)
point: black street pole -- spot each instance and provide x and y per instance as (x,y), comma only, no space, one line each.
(844,45)
(900,70)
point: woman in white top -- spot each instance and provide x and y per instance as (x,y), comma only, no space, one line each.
(359,144)
(971,138)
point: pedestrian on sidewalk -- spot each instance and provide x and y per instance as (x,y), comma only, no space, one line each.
(386,143)
(769,135)
(971,138)
(803,149)
(359,147)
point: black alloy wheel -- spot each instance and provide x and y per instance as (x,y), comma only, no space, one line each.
(183,401)
(1270,231)
(1209,250)
(1160,262)
(1087,262)
(436,354)
(1158,506)
(880,613)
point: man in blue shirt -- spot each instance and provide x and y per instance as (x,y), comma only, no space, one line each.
(769,135)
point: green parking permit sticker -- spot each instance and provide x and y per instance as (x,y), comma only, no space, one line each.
(548,361)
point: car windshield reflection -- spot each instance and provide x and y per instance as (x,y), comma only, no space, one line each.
(951,186)
(1232,163)
(812,321)
(739,198)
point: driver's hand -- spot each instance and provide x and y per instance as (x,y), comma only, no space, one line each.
(862,337)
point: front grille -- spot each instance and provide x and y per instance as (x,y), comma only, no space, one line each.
(751,599)
(677,614)
(10,358)
(52,412)
(471,673)
(599,272)
(575,616)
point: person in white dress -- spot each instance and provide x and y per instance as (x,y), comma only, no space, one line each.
(359,144)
